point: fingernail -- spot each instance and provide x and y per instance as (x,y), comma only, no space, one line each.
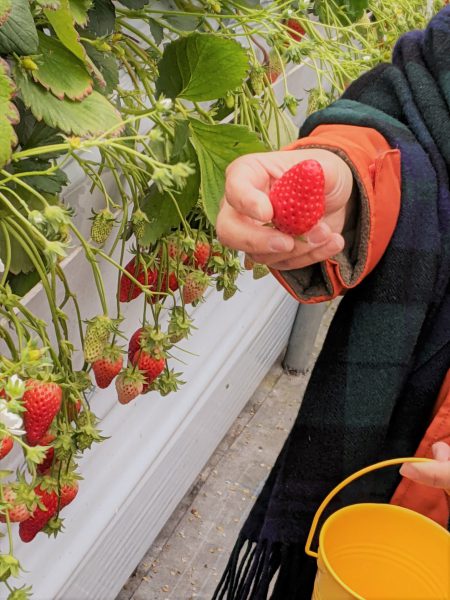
(318,235)
(279,244)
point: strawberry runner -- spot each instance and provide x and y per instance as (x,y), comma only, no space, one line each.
(387,352)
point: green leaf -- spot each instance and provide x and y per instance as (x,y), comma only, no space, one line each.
(20,263)
(160,208)
(8,114)
(106,63)
(201,66)
(79,10)
(217,146)
(23,282)
(134,3)
(183,22)
(102,18)
(156,30)
(32,133)
(344,10)
(49,183)
(92,116)
(62,22)
(59,71)
(18,34)
(5,9)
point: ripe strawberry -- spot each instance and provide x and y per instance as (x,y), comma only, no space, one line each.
(129,385)
(163,287)
(295,30)
(298,198)
(274,67)
(135,343)
(6,446)
(97,335)
(195,286)
(73,408)
(29,528)
(127,289)
(107,366)
(68,493)
(18,512)
(202,253)
(151,365)
(42,401)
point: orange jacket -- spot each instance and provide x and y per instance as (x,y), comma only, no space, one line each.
(377,173)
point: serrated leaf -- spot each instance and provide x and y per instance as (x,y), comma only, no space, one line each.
(18,34)
(5,9)
(62,22)
(102,18)
(160,208)
(59,71)
(217,146)
(20,263)
(8,114)
(182,22)
(92,116)
(134,3)
(32,133)
(200,67)
(23,282)
(79,10)
(51,183)
(107,65)
(52,4)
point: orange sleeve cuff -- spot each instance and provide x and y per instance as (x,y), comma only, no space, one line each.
(376,170)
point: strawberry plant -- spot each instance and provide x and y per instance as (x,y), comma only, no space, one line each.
(149,102)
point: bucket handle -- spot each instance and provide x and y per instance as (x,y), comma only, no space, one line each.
(340,486)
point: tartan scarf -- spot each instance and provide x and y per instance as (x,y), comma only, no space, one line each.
(387,351)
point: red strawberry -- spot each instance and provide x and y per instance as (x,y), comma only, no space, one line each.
(68,493)
(202,253)
(42,401)
(73,409)
(127,289)
(298,198)
(29,528)
(151,365)
(107,366)
(134,343)
(18,511)
(129,385)
(162,287)
(194,287)
(295,30)
(6,446)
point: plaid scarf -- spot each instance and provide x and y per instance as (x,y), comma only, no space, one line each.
(375,383)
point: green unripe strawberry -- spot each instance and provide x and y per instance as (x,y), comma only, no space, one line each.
(102,225)
(97,337)
(260,271)
(138,221)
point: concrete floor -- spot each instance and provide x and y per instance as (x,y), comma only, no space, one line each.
(188,557)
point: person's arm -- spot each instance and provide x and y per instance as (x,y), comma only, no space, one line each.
(436,473)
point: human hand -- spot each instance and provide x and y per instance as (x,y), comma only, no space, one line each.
(436,473)
(246,208)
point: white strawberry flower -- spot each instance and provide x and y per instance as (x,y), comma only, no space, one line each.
(10,420)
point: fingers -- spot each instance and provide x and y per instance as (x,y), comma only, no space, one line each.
(441,451)
(247,187)
(435,473)
(333,246)
(241,233)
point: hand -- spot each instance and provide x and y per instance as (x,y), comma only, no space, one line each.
(435,474)
(246,208)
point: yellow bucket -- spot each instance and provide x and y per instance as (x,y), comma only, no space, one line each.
(379,551)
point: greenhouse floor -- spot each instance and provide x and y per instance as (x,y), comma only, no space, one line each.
(188,557)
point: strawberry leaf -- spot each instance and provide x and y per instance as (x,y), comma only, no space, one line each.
(134,3)
(92,116)
(107,65)
(59,72)
(5,9)
(62,22)
(217,146)
(160,208)
(18,34)
(8,114)
(102,18)
(201,66)
(79,10)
